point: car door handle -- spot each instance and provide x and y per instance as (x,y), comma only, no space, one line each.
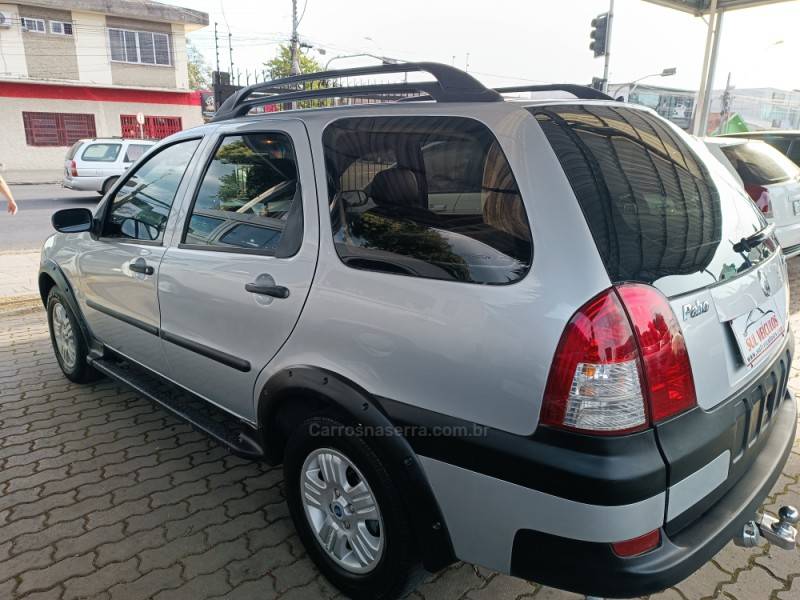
(276,291)
(140,266)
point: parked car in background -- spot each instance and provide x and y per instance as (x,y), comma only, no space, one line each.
(771,180)
(351,291)
(93,165)
(787,142)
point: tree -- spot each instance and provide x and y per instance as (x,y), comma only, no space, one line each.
(281,65)
(199,71)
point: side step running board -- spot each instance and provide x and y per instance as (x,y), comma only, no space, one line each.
(239,437)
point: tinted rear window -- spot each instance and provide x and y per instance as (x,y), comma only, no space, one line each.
(653,208)
(759,164)
(73,149)
(427,197)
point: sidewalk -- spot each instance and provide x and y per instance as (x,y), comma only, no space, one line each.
(18,275)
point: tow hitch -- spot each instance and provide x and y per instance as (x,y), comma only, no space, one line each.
(779,532)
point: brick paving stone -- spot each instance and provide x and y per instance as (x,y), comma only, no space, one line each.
(45,537)
(793,593)
(198,588)
(704,582)
(55,573)
(215,558)
(89,586)
(753,583)
(148,585)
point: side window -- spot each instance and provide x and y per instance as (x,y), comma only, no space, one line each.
(135,151)
(101,153)
(249,198)
(427,197)
(140,208)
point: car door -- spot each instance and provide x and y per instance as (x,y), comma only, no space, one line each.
(118,268)
(235,278)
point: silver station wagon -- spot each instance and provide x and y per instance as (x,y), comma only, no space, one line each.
(546,336)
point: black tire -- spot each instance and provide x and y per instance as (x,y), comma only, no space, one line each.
(107,185)
(398,570)
(77,370)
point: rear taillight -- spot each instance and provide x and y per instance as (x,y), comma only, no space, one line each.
(620,366)
(73,168)
(760,196)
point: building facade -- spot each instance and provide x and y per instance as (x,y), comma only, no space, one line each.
(71,69)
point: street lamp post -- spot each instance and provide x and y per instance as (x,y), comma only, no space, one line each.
(665,73)
(384,59)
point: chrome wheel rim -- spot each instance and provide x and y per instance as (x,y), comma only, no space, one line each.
(64,336)
(342,510)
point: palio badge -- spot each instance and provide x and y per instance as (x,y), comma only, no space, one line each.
(690,311)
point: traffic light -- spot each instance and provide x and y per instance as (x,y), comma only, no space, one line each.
(599,35)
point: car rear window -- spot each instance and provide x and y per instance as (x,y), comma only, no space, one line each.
(429,197)
(135,151)
(73,150)
(654,211)
(759,164)
(101,152)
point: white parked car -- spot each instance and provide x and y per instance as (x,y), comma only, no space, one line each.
(93,165)
(771,180)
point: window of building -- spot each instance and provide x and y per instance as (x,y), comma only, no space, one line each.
(61,27)
(139,47)
(140,208)
(33,25)
(154,128)
(101,152)
(249,198)
(427,197)
(57,129)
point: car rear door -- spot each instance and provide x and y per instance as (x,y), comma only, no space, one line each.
(119,266)
(235,278)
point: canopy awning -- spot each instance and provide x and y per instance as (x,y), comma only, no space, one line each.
(714,10)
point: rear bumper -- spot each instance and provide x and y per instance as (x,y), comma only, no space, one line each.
(592,568)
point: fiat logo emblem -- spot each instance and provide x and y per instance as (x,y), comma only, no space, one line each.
(764,282)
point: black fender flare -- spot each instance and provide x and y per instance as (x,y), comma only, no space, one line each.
(50,268)
(327,389)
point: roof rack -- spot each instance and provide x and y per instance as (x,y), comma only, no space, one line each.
(450,85)
(579,91)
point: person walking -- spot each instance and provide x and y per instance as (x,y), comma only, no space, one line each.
(5,191)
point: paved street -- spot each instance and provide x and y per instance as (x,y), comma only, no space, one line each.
(103,495)
(30,227)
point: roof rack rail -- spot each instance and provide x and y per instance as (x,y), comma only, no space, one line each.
(579,91)
(450,85)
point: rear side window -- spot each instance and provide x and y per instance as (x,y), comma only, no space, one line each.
(101,152)
(135,151)
(759,164)
(427,197)
(651,204)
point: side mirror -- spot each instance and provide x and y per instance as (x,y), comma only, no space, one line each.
(354,197)
(72,220)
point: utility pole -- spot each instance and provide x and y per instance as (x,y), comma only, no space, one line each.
(608,45)
(466,64)
(216,45)
(230,52)
(295,41)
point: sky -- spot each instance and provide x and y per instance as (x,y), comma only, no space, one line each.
(514,42)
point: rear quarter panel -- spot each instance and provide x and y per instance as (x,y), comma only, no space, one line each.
(481,353)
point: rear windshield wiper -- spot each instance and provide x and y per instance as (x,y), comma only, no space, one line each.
(751,241)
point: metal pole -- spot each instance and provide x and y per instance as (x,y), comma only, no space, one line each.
(711,68)
(608,45)
(230,52)
(701,92)
(295,70)
(216,45)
